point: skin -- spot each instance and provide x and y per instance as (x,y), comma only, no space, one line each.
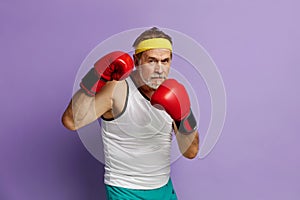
(152,69)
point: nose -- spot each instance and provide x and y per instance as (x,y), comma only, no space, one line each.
(158,67)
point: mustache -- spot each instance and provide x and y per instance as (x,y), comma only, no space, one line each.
(158,76)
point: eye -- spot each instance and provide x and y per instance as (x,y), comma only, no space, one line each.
(165,61)
(151,61)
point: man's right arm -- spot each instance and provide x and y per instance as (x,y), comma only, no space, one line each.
(83,109)
(95,96)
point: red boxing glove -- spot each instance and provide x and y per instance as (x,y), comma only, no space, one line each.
(173,98)
(116,65)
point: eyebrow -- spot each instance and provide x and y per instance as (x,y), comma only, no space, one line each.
(166,59)
(163,60)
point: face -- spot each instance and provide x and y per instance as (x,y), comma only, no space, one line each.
(154,66)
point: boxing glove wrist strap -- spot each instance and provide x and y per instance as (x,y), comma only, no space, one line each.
(91,83)
(187,125)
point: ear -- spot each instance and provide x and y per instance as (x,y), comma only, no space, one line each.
(136,60)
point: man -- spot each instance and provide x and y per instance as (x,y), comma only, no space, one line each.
(139,110)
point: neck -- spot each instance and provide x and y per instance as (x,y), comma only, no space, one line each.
(143,88)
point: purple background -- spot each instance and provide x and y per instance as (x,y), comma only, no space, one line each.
(254,44)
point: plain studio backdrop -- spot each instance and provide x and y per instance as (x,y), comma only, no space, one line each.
(255,45)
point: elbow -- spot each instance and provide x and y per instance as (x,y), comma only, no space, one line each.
(190,154)
(68,123)
(192,151)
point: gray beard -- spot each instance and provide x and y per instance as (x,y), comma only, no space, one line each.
(149,82)
(152,85)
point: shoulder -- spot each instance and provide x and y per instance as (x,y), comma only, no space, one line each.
(119,90)
(111,87)
(109,93)
(114,91)
(118,93)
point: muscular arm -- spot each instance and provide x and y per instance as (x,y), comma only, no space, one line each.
(188,144)
(83,109)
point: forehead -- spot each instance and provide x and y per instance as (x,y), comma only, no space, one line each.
(157,53)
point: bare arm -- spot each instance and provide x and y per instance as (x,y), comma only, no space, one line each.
(83,109)
(188,143)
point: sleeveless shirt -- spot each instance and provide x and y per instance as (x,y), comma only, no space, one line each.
(137,144)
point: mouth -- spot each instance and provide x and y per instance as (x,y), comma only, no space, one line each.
(158,78)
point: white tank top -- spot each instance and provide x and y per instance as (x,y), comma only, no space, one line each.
(137,144)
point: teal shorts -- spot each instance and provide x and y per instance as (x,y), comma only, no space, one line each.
(165,192)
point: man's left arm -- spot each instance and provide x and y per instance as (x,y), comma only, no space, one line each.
(188,143)
(173,98)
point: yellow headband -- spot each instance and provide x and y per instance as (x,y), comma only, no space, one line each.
(154,43)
